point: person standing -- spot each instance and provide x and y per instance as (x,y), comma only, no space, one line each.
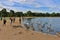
(19,20)
(4,21)
(11,20)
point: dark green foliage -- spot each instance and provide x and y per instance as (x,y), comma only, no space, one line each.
(19,14)
(12,13)
(4,13)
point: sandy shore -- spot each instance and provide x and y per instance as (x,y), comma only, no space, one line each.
(8,32)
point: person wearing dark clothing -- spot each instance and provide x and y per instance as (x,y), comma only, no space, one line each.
(19,20)
(4,21)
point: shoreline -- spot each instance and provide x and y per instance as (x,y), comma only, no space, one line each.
(8,32)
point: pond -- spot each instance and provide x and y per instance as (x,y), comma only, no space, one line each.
(44,23)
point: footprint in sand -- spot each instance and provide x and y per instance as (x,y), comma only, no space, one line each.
(20,32)
(15,34)
(32,33)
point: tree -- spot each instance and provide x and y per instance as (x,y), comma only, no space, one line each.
(47,14)
(57,14)
(53,14)
(19,14)
(4,12)
(0,14)
(29,13)
(12,13)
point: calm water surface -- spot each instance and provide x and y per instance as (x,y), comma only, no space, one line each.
(55,23)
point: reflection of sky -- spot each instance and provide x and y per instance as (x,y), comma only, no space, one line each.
(55,22)
(33,5)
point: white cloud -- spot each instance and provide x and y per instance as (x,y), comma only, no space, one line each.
(47,3)
(20,1)
(10,0)
(33,3)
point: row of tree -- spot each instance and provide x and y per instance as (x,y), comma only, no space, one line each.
(4,13)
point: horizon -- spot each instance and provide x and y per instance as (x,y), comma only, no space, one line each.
(31,5)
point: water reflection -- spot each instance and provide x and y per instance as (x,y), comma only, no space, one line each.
(40,24)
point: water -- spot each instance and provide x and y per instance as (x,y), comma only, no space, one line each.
(55,23)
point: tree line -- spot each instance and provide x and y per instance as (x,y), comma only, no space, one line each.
(12,13)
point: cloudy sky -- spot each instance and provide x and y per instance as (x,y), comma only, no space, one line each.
(33,5)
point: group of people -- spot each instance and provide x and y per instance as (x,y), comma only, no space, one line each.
(12,20)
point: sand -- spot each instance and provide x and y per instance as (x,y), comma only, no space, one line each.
(8,32)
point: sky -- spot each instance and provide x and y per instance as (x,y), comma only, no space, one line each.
(31,5)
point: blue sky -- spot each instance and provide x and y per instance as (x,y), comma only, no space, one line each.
(33,5)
